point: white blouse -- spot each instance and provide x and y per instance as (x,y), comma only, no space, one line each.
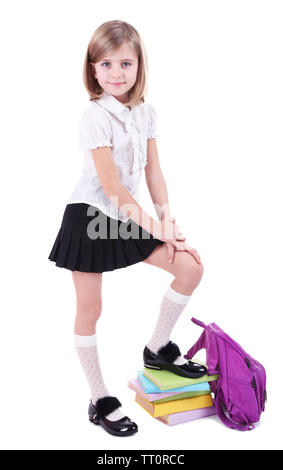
(108,123)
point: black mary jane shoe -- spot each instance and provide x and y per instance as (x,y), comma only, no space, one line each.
(164,360)
(104,406)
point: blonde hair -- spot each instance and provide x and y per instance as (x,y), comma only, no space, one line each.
(106,39)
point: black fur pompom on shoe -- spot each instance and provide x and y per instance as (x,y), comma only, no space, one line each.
(106,405)
(169,352)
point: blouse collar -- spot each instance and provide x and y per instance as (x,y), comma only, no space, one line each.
(113,105)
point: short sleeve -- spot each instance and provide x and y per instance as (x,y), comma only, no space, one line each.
(152,122)
(94,130)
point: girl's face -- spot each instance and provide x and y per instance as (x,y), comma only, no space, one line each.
(117,73)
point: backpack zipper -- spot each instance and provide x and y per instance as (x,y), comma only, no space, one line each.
(254,386)
(248,362)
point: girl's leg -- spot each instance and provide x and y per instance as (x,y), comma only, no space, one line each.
(187,275)
(185,269)
(89,301)
(89,307)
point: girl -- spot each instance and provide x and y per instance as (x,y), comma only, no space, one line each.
(118,138)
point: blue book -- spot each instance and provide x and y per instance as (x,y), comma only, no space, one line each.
(149,387)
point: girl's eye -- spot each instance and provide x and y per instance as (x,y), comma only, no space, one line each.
(109,63)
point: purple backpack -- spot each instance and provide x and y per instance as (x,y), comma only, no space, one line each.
(240,391)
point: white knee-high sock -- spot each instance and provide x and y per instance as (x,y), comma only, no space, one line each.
(86,347)
(172,305)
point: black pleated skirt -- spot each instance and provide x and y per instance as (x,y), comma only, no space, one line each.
(96,243)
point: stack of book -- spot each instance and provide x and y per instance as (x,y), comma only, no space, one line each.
(171,398)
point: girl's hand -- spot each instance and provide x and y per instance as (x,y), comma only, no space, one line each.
(170,231)
(179,236)
(181,246)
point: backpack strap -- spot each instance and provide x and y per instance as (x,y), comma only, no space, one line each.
(200,344)
(198,322)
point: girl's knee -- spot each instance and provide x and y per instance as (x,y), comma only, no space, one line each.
(200,269)
(86,319)
(89,313)
(190,270)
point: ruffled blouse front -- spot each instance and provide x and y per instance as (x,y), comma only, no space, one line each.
(109,123)
(137,135)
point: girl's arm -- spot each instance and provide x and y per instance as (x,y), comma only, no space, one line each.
(118,194)
(156,182)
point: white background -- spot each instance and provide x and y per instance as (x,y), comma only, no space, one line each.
(215,79)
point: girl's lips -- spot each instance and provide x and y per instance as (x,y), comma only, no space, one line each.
(117,84)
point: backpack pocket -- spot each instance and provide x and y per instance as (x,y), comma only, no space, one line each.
(243,400)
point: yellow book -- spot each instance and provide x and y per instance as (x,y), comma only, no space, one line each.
(174,406)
